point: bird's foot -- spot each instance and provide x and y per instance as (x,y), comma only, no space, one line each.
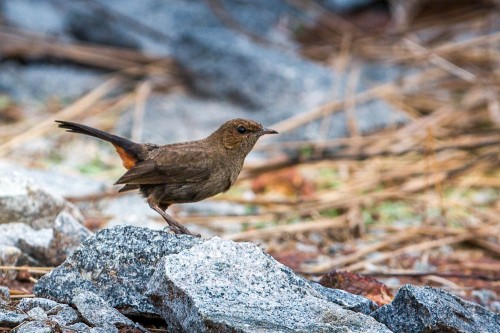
(180,231)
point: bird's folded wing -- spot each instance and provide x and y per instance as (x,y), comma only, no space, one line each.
(149,172)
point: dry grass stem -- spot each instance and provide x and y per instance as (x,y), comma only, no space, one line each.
(77,108)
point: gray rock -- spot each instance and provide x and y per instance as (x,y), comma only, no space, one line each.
(26,304)
(10,233)
(159,21)
(10,316)
(223,286)
(104,329)
(36,327)
(38,83)
(41,16)
(97,311)
(484,296)
(78,327)
(68,235)
(64,315)
(103,30)
(346,300)
(36,242)
(495,306)
(23,201)
(48,246)
(346,5)
(426,309)
(234,68)
(44,226)
(4,294)
(37,313)
(221,62)
(114,264)
(265,18)
(9,256)
(56,181)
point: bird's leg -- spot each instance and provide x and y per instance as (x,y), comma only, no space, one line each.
(175,226)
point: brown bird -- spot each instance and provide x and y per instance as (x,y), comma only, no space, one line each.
(181,172)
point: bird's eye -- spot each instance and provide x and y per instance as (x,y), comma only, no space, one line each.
(241,129)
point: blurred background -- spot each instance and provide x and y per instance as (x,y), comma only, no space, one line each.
(387,162)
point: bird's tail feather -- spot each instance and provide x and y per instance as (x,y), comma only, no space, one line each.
(127,149)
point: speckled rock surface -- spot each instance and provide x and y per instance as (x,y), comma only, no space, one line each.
(431,310)
(238,288)
(27,304)
(63,315)
(97,311)
(37,313)
(115,264)
(346,300)
(33,315)
(11,317)
(37,326)
(80,328)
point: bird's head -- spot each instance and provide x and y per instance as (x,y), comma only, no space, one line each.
(241,134)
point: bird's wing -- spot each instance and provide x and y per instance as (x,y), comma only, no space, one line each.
(171,167)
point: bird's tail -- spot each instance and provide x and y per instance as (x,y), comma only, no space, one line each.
(127,149)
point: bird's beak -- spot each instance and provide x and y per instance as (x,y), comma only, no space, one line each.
(267,131)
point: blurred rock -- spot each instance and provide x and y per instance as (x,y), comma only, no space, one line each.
(68,235)
(40,16)
(21,200)
(234,68)
(56,182)
(484,297)
(4,294)
(9,256)
(36,84)
(428,310)
(45,227)
(47,246)
(346,5)
(240,53)
(97,312)
(495,306)
(78,21)
(239,288)
(136,220)
(115,264)
(10,233)
(194,118)
(130,209)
